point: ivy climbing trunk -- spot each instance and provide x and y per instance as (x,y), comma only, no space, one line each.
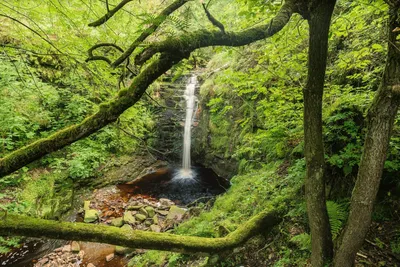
(381,116)
(319,19)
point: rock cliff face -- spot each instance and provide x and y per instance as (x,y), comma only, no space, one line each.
(204,150)
(169,135)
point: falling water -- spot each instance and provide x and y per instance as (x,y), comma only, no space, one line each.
(189,96)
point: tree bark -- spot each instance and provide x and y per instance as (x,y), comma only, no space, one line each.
(109,112)
(381,116)
(321,238)
(33,227)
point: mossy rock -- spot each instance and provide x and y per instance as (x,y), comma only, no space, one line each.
(150,211)
(140,217)
(91,216)
(128,217)
(122,250)
(118,222)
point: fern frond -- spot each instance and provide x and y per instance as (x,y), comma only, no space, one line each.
(337,216)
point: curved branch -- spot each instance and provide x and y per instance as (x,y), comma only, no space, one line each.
(157,22)
(33,227)
(190,42)
(92,57)
(213,20)
(108,113)
(109,14)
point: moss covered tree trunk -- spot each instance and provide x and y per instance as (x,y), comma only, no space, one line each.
(381,116)
(321,238)
(33,227)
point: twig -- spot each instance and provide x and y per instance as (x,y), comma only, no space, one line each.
(92,57)
(213,20)
(109,14)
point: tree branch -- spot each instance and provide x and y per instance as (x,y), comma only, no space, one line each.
(33,227)
(157,22)
(213,20)
(190,42)
(109,14)
(108,112)
(92,57)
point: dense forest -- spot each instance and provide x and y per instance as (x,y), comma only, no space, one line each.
(200,133)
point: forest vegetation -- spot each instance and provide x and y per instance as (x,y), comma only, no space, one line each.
(297,108)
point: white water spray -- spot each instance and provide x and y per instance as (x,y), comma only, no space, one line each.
(186,172)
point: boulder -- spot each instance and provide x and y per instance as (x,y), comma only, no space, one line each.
(118,222)
(162,212)
(148,222)
(128,217)
(66,248)
(175,213)
(91,216)
(86,205)
(155,219)
(155,228)
(126,227)
(134,207)
(110,257)
(75,247)
(166,202)
(140,217)
(123,250)
(150,211)
(143,211)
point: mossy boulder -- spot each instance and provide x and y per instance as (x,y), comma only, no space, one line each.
(150,211)
(123,250)
(91,216)
(176,213)
(128,217)
(118,222)
(140,217)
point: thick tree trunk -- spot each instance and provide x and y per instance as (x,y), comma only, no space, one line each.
(321,238)
(381,116)
(32,227)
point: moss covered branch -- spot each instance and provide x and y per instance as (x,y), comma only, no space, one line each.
(154,26)
(108,113)
(33,227)
(198,39)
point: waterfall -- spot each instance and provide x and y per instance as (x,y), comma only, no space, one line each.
(190,98)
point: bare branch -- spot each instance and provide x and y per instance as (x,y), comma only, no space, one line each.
(92,57)
(213,20)
(109,14)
